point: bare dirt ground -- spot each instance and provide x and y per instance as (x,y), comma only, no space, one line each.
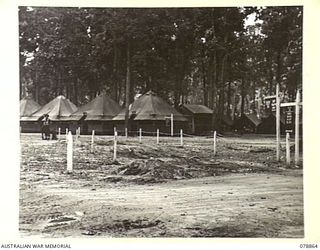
(159,190)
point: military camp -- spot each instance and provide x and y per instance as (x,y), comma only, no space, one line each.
(160,122)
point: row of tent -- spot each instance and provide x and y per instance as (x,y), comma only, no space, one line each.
(102,114)
(149,112)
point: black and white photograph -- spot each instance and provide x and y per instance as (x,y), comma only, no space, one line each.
(164,122)
(161,122)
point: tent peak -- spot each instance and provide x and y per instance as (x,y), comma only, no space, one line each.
(150,92)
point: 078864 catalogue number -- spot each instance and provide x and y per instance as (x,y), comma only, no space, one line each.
(308,245)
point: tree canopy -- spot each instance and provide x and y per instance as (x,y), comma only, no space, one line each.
(186,55)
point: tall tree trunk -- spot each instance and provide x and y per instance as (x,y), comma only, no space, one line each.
(220,104)
(210,82)
(60,88)
(204,81)
(146,75)
(254,94)
(214,91)
(229,91)
(178,83)
(128,85)
(243,94)
(76,91)
(115,72)
(278,76)
(36,83)
(269,62)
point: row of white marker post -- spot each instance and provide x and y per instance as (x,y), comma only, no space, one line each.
(70,144)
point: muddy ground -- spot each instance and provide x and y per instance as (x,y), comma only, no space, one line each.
(160,190)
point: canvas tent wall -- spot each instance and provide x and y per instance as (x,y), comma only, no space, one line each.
(150,112)
(247,123)
(268,125)
(59,111)
(199,118)
(97,115)
(227,123)
(27,107)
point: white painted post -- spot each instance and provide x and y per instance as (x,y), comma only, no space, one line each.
(59,133)
(278,122)
(114,129)
(79,131)
(69,152)
(296,153)
(77,135)
(126,133)
(115,146)
(92,140)
(181,137)
(140,135)
(157,136)
(288,148)
(214,143)
(171,124)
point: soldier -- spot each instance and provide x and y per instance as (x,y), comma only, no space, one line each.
(46,127)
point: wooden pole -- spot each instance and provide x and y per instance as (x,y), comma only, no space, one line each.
(69,152)
(140,135)
(157,136)
(181,137)
(77,135)
(288,148)
(214,143)
(296,153)
(171,124)
(92,140)
(115,146)
(278,122)
(59,133)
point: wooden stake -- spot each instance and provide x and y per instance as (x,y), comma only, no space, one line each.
(77,135)
(126,133)
(214,143)
(59,133)
(115,146)
(171,124)
(157,136)
(140,135)
(278,122)
(92,140)
(181,137)
(296,153)
(79,131)
(69,152)
(288,148)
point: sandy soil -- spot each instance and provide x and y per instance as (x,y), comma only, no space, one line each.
(159,190)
